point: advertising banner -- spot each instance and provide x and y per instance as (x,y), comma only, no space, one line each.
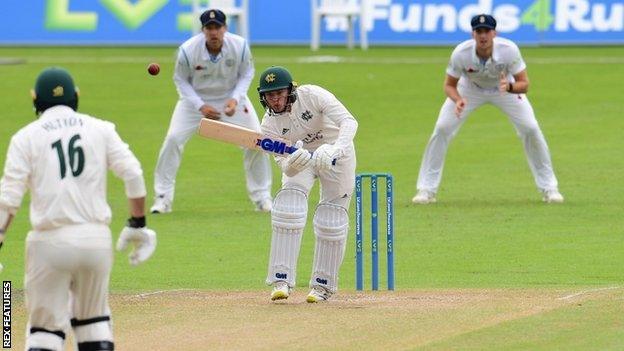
(389,22)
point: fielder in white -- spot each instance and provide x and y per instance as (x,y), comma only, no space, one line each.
(63,158)
(323,130)
(213,72)
(482,70)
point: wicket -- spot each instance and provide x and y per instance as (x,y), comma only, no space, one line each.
(359,244)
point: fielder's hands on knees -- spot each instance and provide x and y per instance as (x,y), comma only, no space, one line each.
(210,112)
(299,159)
(324,156)
(459,107)
(230,107)
(143,238)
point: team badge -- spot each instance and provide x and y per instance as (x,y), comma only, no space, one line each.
(285,130)
(482,19)
(229,62)
(306,116)
(212,14)
(270,78)
(58,91)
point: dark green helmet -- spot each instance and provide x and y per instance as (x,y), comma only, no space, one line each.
(276,78)
(54,86)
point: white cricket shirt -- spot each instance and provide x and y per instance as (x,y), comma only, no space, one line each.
(200,78)
(63,158)
(316,118)
(468,67)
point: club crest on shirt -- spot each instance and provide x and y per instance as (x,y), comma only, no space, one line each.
(199,67)
(285,130)
(306,116)
(500,67)
(472,70)
(229,62)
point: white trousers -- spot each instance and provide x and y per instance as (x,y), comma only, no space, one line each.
(67,276)
(184,124)
(519,111)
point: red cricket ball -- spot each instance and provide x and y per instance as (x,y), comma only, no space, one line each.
(153,68)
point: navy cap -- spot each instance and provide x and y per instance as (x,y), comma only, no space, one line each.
(212,16)
(483,21)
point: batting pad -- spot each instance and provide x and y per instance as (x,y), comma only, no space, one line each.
(290,209)
(331,224)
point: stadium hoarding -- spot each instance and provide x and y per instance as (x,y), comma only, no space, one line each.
(390,22)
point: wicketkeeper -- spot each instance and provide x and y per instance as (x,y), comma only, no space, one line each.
(323,130)
(63,158)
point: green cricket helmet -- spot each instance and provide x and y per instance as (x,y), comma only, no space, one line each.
(276,78)
(54,86)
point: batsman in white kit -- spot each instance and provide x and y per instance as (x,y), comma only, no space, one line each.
(213,72)
(482,70)
(63,158)
(323,131)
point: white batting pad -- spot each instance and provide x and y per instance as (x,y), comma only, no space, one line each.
(290,209)
(331,224)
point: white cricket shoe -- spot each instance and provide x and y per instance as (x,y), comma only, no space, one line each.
(265,205)
(281,291)
(552,196)
(318,294)
(161,205)
(424,197)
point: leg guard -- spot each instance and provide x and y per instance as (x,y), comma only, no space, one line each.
(43,339)
(331,224)
(290,209)
(93,334)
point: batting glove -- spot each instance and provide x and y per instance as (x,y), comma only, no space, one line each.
(324,156)
(143,238)
(299,159)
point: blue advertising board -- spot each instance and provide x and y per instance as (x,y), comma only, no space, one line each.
(390,22)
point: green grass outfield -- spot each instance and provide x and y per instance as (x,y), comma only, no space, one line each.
(488,230)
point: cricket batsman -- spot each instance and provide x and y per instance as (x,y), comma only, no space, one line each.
(63,158)
(323,131)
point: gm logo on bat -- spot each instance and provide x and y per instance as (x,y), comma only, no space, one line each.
(275,146)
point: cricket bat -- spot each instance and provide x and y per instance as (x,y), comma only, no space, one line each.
(241,136)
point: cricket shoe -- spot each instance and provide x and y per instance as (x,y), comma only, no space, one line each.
(318,294)
(265,205)
(161,205)
(424,197)
(552,196)
(281,291)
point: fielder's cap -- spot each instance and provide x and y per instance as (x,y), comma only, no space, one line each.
(212,16)
(483,21)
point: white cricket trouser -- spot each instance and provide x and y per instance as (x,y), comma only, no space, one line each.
(520,112)
(67,275)
(184,124)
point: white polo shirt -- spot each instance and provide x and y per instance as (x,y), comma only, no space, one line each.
(63,158)
(200,78)
(469,68)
